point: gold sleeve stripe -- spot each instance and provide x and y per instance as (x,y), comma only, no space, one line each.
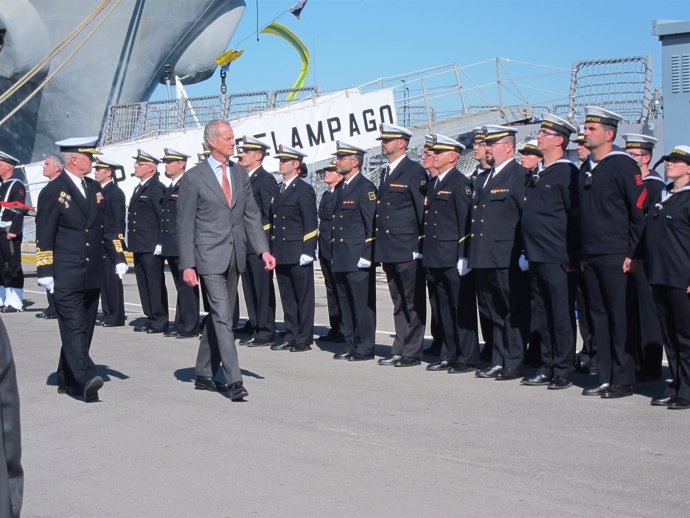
(311,235)
(369,240)
(267,226)
(463,238)
(118,245)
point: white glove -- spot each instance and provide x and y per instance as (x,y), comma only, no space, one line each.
(363,263)
(47,282)
(305,260)
(523,263)
(121,270)
(463,267)
(158,250)
(416,255)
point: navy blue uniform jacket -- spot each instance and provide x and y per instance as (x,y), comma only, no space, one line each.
(294,225)
(71,235)
(447,222)
(353,224)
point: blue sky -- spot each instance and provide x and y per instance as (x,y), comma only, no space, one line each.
(356,41)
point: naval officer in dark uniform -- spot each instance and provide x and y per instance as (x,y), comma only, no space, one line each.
(549,238)
(644,329)
(257,282)
(399,226)
(187,306)
(293,244)
(353,254)
(326,210)
(70,238)
(612,196)
(667,245)
(112,292)
(143,233)
(434,323)
(446,235)
(497,201)
(11,232)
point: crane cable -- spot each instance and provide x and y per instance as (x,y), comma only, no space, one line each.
(61,66)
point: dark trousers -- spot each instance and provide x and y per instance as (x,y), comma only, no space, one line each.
(498,299)
(406,286)
(644,330)
(187,306)
(112,296)
(357,294)
(296,286)
(11,273)
(217,344)
(50,310)
(673,305)
(607,291)
(457,314)
(434,324)
(152,292)
(260,298)
(76,319)
(552,303)
(331,296)
(588,354)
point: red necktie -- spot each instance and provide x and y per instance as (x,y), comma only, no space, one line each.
(225,184)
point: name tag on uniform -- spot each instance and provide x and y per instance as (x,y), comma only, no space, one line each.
(143,198)
(174,196)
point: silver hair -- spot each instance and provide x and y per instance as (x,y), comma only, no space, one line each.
(55,158)
(211,129)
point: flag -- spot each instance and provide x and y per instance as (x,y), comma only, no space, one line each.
(228,57)
(297,8)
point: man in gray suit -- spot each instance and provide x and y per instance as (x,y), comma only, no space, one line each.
(216,215)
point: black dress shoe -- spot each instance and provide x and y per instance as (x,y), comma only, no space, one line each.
(341,356)
(285,346)
(678,403)
(508,374)
(537,380)
(170,333)
(661,401)
(359,357)
(237,392)
(140,329)
(617,391)
(461,368)
(154,331)
(491,372)
(560,383)
(595,391)
(205,383)
(256,342)
(91,389)
(47,316)
(10,309)
(439,366)
(406,361)
(389,361)
(300,348)
(109,324)
(182,336)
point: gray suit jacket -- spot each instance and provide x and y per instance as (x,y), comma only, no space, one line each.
(208,230)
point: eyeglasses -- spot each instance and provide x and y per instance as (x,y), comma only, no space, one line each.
(492,144)
(547,133)
(636,155)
